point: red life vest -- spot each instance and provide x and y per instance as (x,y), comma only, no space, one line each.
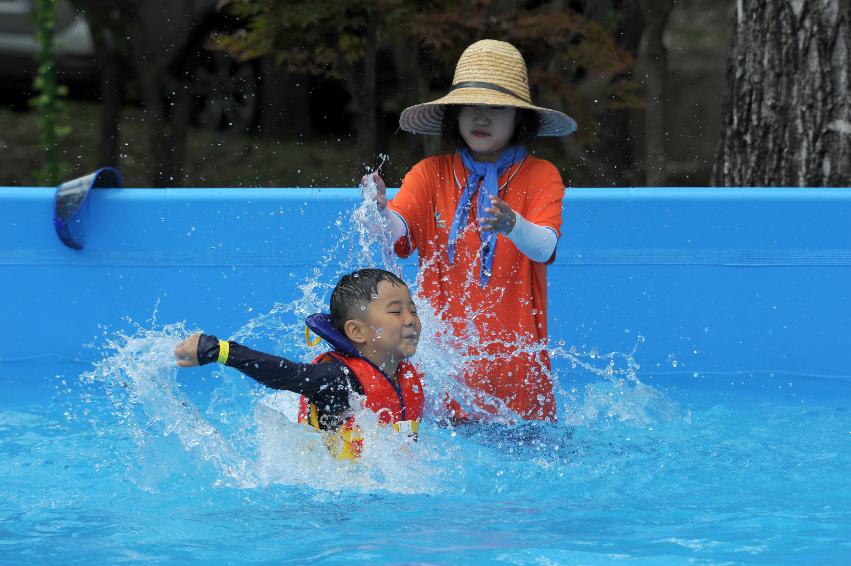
(400,407)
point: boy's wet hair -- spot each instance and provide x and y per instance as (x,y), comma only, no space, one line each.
(526,126)
(354,291)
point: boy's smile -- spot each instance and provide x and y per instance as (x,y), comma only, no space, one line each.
(486,129)
(393,326)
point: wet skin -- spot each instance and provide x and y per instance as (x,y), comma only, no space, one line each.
(390,331)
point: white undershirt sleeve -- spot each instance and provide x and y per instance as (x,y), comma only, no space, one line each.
(398,228)
(536,242)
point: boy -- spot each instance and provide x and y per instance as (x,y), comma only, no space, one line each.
(373,328)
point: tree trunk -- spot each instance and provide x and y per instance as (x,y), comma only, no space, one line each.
(414,83)
(149,48)
(617,144)
(610,162)
(367,138)
(286,112)
(787,117)
(360,83)
(111,94)
(655,65)
(166,134)
(430,145)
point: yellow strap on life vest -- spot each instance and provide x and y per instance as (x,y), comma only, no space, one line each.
(341,442)
(307,339)
(313,417)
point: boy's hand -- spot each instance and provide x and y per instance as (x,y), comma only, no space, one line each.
(187,351)
(380,190)
(500,217)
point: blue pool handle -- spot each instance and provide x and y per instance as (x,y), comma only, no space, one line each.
(71,206)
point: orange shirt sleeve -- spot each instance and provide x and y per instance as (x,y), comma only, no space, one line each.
(545,208)
(414,204)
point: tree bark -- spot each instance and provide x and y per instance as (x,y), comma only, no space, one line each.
(655,65)
(367,136)
(111,93)
(612,161)
(149,48)
(618,148)
(430,145)
(414,78)
(360,83)
(286,112)
(166,134)
(786,119)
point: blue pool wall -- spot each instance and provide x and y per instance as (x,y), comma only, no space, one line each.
(717,281)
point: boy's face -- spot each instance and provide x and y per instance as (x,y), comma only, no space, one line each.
(392,321)
(486,129)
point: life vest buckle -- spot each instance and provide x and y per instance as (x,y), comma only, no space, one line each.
(411,428)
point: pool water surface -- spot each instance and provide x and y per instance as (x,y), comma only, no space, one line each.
(713,469)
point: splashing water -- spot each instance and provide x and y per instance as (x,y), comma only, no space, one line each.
(244,437)
(620,397)
(372,228)
(140,380)
(244,446)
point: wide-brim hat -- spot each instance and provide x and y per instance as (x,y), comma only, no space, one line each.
(492,73)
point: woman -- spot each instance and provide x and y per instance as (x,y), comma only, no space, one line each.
(485,221)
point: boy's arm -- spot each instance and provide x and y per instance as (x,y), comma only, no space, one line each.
(325,384)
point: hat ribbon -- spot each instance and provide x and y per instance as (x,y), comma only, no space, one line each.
(488,86)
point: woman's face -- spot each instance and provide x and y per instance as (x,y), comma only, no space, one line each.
(486,129)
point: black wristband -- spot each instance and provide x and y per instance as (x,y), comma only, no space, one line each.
(208,349)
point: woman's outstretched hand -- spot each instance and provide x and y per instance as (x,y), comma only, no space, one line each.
(500,218)
(187,351)
(380,190)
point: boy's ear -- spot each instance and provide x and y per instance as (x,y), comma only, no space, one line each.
(355,330)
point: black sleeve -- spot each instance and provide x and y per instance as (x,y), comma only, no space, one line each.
(327,384)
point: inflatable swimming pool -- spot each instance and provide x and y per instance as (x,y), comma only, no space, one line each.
(700,343)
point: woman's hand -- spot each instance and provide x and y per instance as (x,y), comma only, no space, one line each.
(500,218)
(380,189)
(187,351)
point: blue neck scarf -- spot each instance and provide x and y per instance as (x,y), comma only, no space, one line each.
(489,174)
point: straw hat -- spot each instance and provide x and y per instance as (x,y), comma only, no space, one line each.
(489,72)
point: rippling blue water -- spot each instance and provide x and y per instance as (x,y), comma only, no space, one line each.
(715,469)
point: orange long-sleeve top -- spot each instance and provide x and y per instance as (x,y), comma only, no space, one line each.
(511,309)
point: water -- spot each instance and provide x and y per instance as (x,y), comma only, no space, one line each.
(739,480)
(135,460)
